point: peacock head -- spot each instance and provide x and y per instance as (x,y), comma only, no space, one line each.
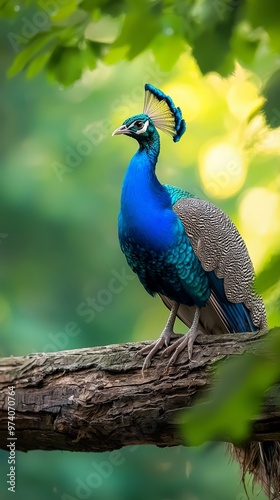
(159,112)
(140,127)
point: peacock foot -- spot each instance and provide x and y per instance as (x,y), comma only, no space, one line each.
(156,346)
(177,347)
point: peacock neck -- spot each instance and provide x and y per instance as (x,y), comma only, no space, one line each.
(150,150)
(146,216)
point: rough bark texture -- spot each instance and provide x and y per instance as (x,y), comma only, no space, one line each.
(97,399)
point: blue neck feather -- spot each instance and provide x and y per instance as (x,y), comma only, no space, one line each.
(146,216)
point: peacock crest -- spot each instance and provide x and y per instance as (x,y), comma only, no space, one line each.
(162,110)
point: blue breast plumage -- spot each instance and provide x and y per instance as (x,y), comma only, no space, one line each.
(153,238)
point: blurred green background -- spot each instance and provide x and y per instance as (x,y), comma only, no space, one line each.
(60,180)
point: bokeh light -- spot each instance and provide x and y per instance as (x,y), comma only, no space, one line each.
(259,213)
(222,169)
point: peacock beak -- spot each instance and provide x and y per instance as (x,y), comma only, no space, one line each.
(121,130)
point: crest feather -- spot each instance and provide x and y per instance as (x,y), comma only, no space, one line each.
(162,110)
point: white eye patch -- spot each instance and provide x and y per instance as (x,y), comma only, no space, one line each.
(141,130)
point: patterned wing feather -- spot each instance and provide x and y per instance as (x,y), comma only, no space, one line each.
(220,248)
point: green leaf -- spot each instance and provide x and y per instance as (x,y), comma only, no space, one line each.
(236,396)
(66,64)
(112,7)
(271,107)
(245,42)
(134,39)
(116,54)
(38,64)
(65,10)
(167,50)
(212,52)
(265,14)
(97,48)
(90,57)
(208,29)
(39,42)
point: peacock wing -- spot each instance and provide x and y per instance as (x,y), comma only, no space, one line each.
(222,252)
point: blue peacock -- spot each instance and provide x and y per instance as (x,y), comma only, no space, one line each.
(182,248)
(190,253)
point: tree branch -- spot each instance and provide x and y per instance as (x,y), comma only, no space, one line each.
(97,399)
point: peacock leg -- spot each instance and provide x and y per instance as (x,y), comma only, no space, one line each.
(187,340)
(164,339)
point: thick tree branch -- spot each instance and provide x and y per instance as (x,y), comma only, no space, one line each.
(97,399)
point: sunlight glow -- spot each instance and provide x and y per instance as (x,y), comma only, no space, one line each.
(222,169)
(242,98)
(259,213)
(189,99)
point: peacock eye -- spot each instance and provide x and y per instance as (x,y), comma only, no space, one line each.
(139,124)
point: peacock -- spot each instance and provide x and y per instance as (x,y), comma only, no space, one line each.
(182,248)
(189,252)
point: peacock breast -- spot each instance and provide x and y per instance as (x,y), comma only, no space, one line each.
(172,270)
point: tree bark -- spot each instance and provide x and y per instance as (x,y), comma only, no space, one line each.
(97,399)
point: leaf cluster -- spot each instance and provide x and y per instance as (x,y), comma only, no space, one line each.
(67,37)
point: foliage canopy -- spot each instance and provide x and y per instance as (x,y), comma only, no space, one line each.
(65,37)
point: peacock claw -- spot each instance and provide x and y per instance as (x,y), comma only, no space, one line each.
(177,347)
(166,335)
(156,346)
